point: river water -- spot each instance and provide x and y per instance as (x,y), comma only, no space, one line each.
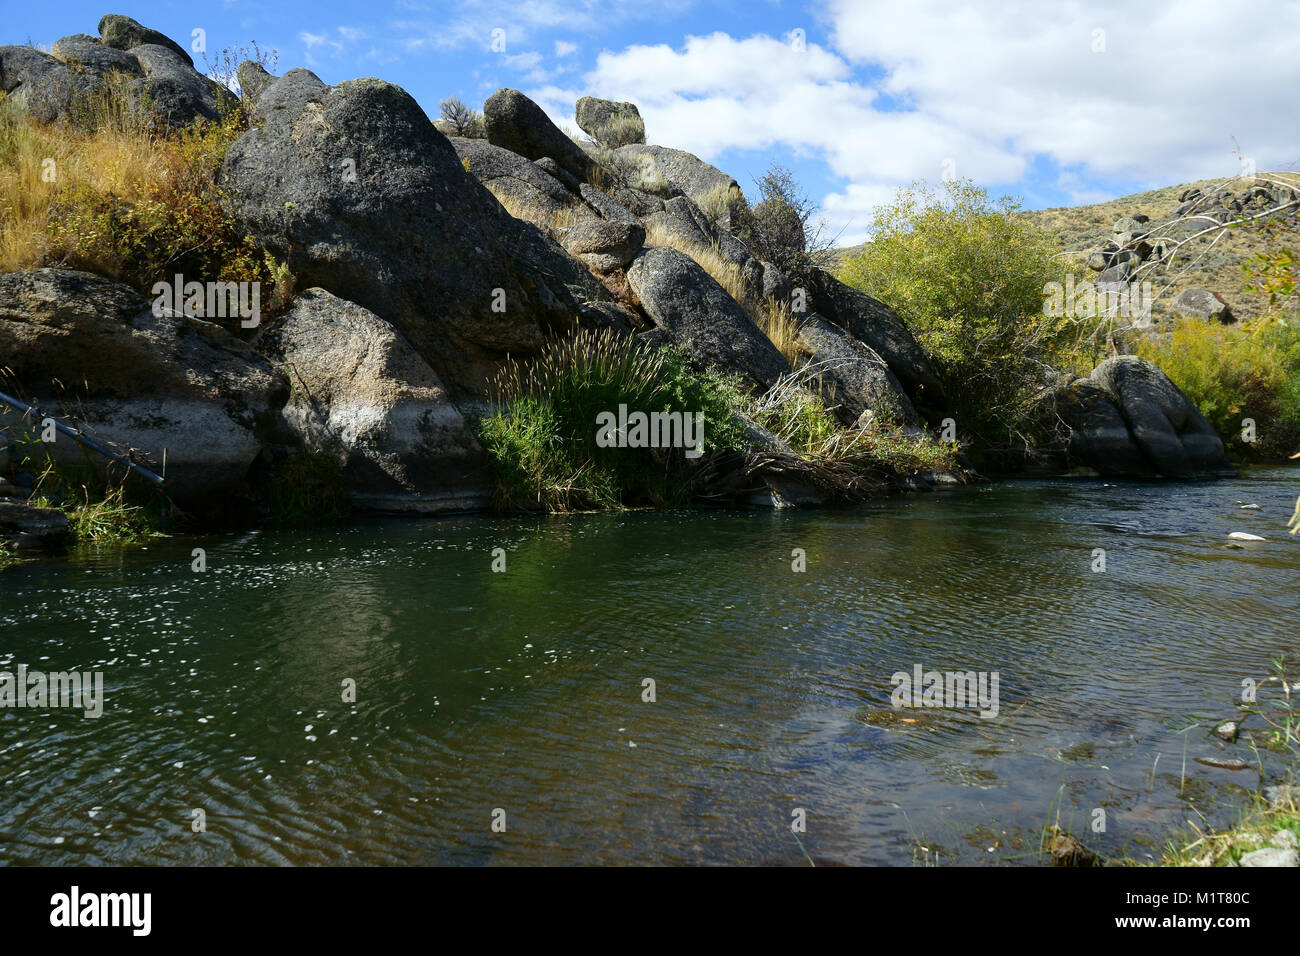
(518,697)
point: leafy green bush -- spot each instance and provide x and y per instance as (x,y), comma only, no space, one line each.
(543,442)
(1232,373)
(967,275)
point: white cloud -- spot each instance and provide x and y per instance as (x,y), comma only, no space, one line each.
(1161,99)
(917,90)
(563,48)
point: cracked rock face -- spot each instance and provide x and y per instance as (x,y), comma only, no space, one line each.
(90,352)
(363,197)
(362,394)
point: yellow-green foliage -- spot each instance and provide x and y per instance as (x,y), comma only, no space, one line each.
(1233,373)
(967,275)
(113,196)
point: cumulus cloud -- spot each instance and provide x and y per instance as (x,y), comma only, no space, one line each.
(1106,90)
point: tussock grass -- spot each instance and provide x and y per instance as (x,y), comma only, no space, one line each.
(719,201)
(542,442)
(622,130)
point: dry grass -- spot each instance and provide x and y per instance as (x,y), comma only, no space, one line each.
(552,221)
(110,160)
(774,318)
(719,201)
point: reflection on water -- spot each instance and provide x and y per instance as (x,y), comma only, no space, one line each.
(523,690)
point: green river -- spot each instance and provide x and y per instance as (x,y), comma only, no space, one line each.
(229,734)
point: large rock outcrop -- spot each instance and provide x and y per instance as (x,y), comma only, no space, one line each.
(878,326)
(364,197)
(685,173)
(852,377)
(154,77)
(364,395)
(91,351)
(516,123)
(1129,419)
(697,313)
(526,189)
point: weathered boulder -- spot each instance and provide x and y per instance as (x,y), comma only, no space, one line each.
(41,84)
(776,284)
(875,324)
(607,208)
(609,123)
(1166,426)
(123,33)
(173,90)
(525,188)
(516,123)
(91,349)
(603,245)
(852,377)
(1201,304)
(689,305)
(354,187)
(559,173)
(30,527)
(1096,433)
(363,394)
(88,54)
(154,77)
(253,79)
(680,170)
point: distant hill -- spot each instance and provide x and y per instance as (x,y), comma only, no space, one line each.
(1216,266)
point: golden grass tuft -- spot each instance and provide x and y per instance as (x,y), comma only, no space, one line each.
(36,159)
(772,317)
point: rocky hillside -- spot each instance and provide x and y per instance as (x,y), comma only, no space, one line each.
(1209,267)
(1214,261)
(426,265)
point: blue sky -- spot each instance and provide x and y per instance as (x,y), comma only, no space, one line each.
(1057,103)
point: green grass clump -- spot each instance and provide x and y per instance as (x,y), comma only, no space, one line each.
(542,443)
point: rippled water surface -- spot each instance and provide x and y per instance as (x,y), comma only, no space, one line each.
(523,690)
